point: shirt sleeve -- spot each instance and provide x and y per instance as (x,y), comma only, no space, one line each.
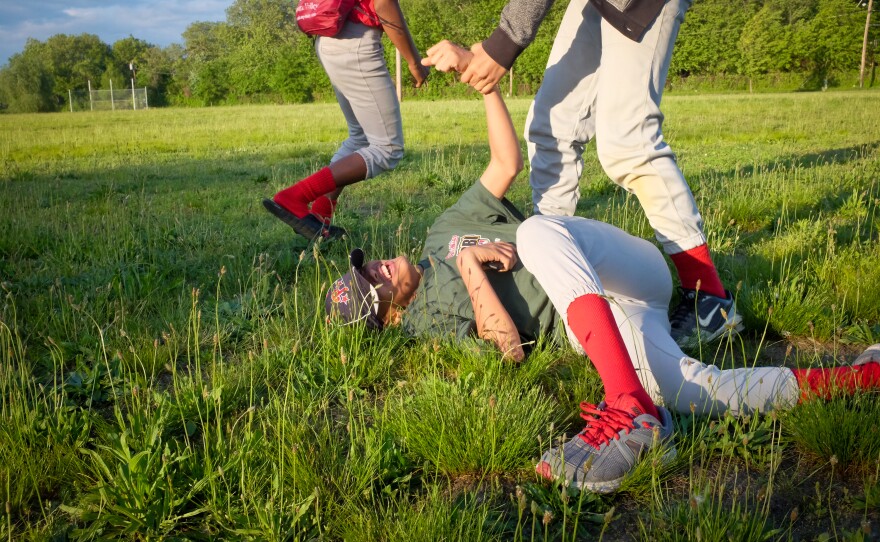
(519,24)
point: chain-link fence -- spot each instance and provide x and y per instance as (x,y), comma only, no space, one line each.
(108,100)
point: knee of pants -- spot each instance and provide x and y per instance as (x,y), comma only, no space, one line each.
(381,158)
(531,236)
(616,161)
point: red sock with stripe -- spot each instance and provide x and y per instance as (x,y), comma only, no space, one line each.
(695,266)
(823,382)
(297,198)
(323,208)
(592,322)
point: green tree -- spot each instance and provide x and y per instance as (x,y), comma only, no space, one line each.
(203,71)
(837,30)
(76,60)
(130,55)
(26,82)
(156,72)
(764,43)
(262,32)
(708,42)
(210,82)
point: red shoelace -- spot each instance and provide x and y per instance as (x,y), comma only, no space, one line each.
(604,423)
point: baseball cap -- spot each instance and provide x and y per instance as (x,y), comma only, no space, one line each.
(352,298)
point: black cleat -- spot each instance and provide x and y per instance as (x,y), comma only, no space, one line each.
(308,226)
(700,317)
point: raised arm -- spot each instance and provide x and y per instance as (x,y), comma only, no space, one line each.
(505,160)
(394,23)
(505,156)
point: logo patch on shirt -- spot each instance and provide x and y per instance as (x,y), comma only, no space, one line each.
(459,242)
(340,292)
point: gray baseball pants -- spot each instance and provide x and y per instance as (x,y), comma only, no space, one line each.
(600,84)
(574,256)
(355,63)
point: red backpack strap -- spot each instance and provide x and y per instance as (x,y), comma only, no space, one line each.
(364,13)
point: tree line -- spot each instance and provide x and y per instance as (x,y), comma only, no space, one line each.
(258,55)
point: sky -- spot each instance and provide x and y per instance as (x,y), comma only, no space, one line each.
(159,22)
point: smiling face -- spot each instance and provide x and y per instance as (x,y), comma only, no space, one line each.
(396,282)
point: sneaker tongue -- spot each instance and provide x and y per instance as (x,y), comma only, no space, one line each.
(626,403)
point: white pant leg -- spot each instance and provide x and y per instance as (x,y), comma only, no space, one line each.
(561,118)
(629,137)
(679,381)
(599,83)
(355,63)
(573,256)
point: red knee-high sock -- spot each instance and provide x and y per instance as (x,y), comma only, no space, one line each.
(297,198)
(822,382)
(592,322)
(695,265)
(323,208)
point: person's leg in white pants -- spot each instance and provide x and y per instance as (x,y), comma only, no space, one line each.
(573,256)
(600,84)
(561,119)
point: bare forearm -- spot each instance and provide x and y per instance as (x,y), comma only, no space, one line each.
(395,27)
(505,157)
(494,323)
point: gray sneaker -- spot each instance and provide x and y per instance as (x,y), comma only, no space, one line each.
(871,354)
(600,456)
(700,317)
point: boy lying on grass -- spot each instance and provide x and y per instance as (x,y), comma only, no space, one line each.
(485,269)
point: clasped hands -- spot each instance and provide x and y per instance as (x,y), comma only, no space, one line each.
(477,68)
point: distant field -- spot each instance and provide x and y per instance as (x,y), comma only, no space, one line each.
(165,371)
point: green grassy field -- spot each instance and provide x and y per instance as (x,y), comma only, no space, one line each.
(166,373)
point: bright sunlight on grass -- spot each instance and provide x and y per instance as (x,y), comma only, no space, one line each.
(166,371)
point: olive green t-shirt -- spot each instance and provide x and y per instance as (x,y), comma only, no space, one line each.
(442,305)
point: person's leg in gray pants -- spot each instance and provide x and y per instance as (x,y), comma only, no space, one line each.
(355,63)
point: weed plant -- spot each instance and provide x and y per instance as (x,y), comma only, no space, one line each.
(166,371)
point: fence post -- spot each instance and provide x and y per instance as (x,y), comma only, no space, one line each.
(70,99)
(91,105)
(397,75)
(134,104)
(112,104)
(146,99)
(865,45)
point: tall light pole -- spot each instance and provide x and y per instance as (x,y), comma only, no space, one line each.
(131,67)
(865,45)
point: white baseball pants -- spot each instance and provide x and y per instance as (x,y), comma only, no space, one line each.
(600,84)
(574,256)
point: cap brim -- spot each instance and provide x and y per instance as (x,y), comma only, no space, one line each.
(367,299)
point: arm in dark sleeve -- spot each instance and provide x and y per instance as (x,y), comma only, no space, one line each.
(519,24)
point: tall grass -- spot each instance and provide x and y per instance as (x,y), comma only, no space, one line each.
(166,371)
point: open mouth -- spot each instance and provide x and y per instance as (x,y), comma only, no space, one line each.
(381,273)
(385,269)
